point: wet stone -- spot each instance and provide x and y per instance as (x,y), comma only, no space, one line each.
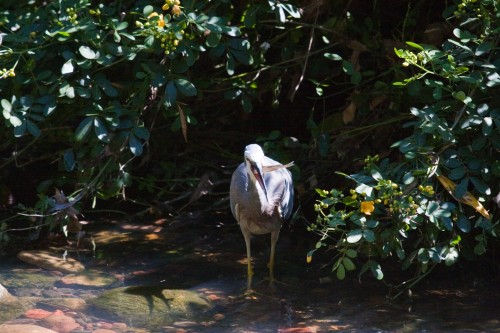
(52,261)
(24,328)
(76,304)
(60,322)
(89,279)
(152,306)
(10,307)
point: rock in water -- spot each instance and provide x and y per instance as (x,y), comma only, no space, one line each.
(89,278)
(24,328)
(152,306)
(10,307)
(48,260)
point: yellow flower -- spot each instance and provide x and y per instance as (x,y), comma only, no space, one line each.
(176,10)
(367,207)
(161,22)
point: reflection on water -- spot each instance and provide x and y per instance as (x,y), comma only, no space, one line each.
(206,257)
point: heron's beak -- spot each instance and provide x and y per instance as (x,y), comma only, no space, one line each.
(259,175)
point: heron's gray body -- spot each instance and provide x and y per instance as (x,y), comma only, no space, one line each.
(255,213)
(260,210)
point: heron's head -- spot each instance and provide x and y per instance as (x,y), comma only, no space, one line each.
(253,161)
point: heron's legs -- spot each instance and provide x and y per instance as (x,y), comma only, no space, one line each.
(274,239)
(249,260)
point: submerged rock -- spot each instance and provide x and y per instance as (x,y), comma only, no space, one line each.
(89,279)
(60,322)
(71,303)
(49,260)
(10,307)
(24,328)
(152,306)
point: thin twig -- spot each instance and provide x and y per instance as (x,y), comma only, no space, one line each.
(309,47)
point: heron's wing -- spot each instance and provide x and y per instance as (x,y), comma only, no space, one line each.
(279,186)
(239,183)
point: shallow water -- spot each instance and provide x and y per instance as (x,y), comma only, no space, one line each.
(209,257)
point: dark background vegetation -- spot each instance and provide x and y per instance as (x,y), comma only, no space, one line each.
(311,81)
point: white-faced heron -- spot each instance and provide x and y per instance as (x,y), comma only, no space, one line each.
(261,198)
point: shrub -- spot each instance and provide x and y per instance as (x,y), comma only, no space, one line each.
(438,200)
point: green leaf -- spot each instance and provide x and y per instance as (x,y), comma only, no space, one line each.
(369,235)
(457,173)
(348,67)
(451,256)
(376,174)
(460,95)
(351,253)
(170,94)
(408,178)
(122,25)
(83,128)
(230,64)
(341,272)
(291,9)
(147,10)
(185,87)
(463,223)
(437,93)
(354,236)
(461,188)
(33,128)
(106,86)
(246,102)
(332,56)
(100,130)
(68,67)
(480,185)
(87,52)
(487,126)
(70,92)
(69,160)
(15,120)
(6,105)
(135,145)
(415,45)
(20,130)
(213,39)
(363,188)
(141,132)
(376,270)
(348,264)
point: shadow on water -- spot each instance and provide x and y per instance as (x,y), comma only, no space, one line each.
(208,257)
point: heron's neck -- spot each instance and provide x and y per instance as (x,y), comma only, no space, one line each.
(258,197)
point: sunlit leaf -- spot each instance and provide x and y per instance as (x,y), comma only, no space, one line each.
(83,128)
(87,52)
(15,120)
(415,45)
(135,145)
(100,130)
(6,105)
(354,236)
(68,67)
(185,87)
